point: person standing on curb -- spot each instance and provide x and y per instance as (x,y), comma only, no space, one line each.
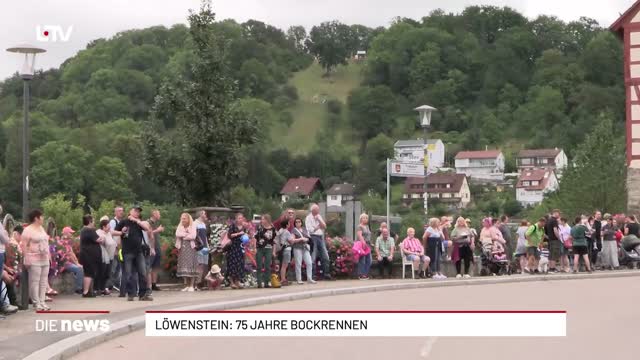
(157,229)
(265,237)
(552,231)
(534,235)
(580,243)
(132,229)
(117,279)
(315,225)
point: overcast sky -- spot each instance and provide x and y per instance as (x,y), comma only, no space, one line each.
(93,19)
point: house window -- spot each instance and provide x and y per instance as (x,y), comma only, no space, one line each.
(544,161)
(526,161)
(448,186)
(334,197)
(535,183)
(526,183)
(446,195)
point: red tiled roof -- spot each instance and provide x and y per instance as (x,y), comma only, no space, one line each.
(535,175)
(301,186)
(485,154)
(342,189)
(624,18)
(455,180)
(532,153)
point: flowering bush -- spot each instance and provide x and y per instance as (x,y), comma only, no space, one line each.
(60,250)
(14,256)
(169,258)
(341,256)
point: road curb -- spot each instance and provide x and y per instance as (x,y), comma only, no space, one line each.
(72,345)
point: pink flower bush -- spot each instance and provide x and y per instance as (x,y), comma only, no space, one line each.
(341,257)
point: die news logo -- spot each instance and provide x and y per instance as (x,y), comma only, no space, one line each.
(53,33)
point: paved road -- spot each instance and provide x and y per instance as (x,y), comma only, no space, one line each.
(602,318)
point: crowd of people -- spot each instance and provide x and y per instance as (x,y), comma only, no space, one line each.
(122,254)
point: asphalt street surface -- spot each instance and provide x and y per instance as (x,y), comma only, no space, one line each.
(602,323)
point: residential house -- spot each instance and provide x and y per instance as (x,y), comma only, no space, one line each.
(534,184)
(413,151)
(554,159)
(301,187)
(339,193)
(487,165)
(360,55)
(446,187)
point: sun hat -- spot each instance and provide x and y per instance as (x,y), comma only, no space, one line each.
(215,269)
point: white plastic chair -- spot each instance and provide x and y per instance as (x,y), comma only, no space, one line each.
(406,263)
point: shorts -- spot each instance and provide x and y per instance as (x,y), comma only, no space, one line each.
(286,255)
(422,258)
(580,250)
(555,250)
(155,260)
(533,251)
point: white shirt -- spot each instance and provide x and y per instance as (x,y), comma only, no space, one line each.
(108,246)
(313,225)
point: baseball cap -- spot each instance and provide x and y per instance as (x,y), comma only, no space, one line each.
(137,206)
(67,230)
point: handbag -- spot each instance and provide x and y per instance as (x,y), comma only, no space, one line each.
(275,281)
(568,243)
(226,241)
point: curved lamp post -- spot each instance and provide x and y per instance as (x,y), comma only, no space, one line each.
(424,117)
(27,72)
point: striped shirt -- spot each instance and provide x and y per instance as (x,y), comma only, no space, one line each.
(544,253)
(412,245)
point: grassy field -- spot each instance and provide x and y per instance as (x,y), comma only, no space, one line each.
(310,112)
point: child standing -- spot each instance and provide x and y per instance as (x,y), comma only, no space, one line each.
(543,264)
(521,247)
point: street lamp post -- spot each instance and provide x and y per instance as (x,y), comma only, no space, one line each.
(27,72)
(424,112)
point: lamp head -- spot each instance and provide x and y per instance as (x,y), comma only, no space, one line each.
(29,51)
(425,114)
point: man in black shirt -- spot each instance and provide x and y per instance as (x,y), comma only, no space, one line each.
(597,238)
(133,253)
(552,232)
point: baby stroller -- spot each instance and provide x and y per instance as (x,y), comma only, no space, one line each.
(630,251)
(491,265)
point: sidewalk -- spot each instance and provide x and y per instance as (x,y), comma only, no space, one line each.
(18,338)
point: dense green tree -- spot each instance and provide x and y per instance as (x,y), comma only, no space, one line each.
(331,43)
(602,152)
(371,174)
(371,111)
(110,181)
(59,168)
(202,160)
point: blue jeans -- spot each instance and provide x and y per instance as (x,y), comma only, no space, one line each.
(77,272)
(4,295)
(434,251)
(320,248)
(364,264)
(138,262)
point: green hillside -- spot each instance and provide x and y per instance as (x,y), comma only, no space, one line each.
(310,112)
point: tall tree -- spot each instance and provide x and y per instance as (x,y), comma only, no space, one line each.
(371,110)
(597,178)
(201,161)
(331,43)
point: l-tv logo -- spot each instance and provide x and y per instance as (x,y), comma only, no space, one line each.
(53,33)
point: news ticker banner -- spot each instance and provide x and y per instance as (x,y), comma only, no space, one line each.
(357,323)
